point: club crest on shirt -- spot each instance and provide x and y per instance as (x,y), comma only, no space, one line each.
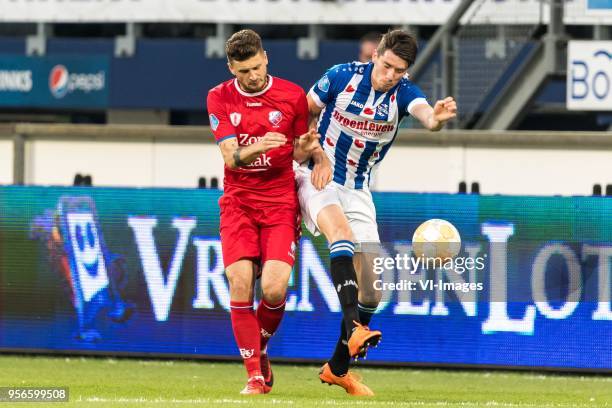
(382,109)
(275,118)
(214,122)
(323,84)
(235,118)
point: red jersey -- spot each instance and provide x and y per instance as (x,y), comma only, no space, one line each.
(280,107)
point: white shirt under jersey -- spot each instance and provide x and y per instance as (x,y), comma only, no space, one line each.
(358,124)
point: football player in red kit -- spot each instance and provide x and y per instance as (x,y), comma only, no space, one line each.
(260,123)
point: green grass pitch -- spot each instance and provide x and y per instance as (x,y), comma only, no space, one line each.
(104,382)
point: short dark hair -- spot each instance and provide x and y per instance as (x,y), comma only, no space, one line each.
(401,43)
(243,45)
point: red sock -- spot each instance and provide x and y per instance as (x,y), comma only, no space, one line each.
(246,333)
(269,317)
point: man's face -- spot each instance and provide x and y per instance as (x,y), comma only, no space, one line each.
(367,50)
(251,73)
(388,70)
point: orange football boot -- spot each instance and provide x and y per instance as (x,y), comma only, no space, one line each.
(362,338)
(351,382)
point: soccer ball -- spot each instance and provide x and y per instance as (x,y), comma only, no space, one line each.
(436,238)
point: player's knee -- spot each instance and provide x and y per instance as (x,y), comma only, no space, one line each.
(342,231)
(239,289)
(274,292)
(239,284)
(275,297)
(333,224)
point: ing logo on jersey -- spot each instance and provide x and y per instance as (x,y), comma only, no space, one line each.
(275,117)
(235,118)
(382,109)
(214,122)
(323,84)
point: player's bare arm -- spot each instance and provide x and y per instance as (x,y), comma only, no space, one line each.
(308,146)
(305,145)
(236,156)
(314,111)
(321,172)
(435,118)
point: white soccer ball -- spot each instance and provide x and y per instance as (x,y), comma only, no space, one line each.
(436,238)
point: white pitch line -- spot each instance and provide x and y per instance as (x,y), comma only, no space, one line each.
(140,400)
(284,402)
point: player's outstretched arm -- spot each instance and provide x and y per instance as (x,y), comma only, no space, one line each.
(435,118)
(314,111)
(236,156)
(306,145)
(322,173)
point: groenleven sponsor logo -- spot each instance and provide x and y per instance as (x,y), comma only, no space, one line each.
(366,125)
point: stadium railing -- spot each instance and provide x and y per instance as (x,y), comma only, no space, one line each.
(22,134)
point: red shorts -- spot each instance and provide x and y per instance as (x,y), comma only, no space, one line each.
(258,232)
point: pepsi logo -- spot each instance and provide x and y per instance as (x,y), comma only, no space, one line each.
(58,81)
(350,88)
(62,82)
(368,111)
(359,144)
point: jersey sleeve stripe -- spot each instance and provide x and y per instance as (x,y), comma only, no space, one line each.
(415,102)
(315,97)
(225,138)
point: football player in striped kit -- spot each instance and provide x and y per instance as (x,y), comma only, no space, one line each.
(356,108)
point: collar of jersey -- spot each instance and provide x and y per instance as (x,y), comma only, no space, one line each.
(255,93)
(367,76)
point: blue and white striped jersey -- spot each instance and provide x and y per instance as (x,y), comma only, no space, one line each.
(358,124)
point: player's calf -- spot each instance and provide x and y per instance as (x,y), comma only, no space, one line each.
(345,281)
(269,317)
